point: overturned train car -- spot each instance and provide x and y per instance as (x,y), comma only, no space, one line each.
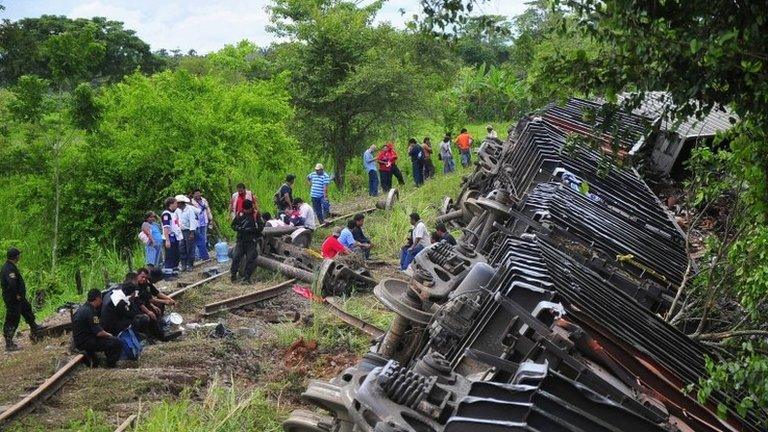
(543,318)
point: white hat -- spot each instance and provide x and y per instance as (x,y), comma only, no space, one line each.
(318,166)
(181,198)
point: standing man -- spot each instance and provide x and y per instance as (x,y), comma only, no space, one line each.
(248,226)
(369,164)
(318,191)
(90,337)
(419,240)
(15,299)
(204,220)
(238,198)
(446,154)
(417,161)
(464,142)
(284,196)
(172,235)
(188,221)
(429,167)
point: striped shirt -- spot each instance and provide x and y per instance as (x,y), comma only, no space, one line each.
(319,182)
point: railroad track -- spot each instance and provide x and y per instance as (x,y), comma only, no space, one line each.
(334,305)
(246,299)
(51,385)
(47,389)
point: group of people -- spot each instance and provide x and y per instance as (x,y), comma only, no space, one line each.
(136,303)
(347,240)
(381,165)
(419,238)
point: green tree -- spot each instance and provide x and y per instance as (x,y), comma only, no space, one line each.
(349,79)
(73,55)
(28,104)
(85,110)
(484,40)
(23,49)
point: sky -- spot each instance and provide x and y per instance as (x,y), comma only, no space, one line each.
(205,25)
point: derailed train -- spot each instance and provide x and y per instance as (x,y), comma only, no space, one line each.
(543,318)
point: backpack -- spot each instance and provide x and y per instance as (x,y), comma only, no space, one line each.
(131,345)
(277,198)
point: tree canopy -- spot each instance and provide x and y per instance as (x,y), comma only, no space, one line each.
(68,51)
(348,77)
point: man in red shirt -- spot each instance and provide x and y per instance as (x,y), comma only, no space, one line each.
(238,198)
(332,246)
(464,142)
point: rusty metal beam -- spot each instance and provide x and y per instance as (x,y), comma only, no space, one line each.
(337,309)
(246,299)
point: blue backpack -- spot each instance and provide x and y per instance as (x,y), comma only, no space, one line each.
(131,345)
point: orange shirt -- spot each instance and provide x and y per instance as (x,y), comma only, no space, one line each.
(463,141)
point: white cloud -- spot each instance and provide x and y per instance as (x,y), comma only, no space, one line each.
(205,25)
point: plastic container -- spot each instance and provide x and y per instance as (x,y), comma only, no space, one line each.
(222,251)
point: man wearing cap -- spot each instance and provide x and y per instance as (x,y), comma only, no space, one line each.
(369,164)
(15,299)
(90,337)
(188,215)
(248,226)
(318,191)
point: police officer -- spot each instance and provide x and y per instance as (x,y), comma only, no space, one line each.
(248,225)
(15,298)
(90,337)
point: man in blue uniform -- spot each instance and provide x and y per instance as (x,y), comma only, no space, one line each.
(90,337)
(15,299)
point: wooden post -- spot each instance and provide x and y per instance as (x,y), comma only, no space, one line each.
(106,278)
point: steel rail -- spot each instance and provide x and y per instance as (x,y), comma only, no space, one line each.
(348,215)
(246,299)
(335,307)
(127,423)
(47,389)
(197,284)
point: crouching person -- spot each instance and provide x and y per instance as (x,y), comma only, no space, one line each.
(90,337)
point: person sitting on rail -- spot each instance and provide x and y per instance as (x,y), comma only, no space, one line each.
(306,215)
(360,236)
(332,247)
(119,309)
(152,303)
(90,337)
(419,240)
(443,234)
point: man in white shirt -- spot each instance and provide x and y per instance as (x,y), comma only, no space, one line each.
(418,240)
(491,133)
(188,221)
(306,213)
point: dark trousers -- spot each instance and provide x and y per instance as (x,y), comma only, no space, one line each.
(418,173)
(429,169)
(187,249)
(247,249)
(317,205)
(14,310)
(373,183)
(110,346)
(171,256)
(398,175)
(386,180)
